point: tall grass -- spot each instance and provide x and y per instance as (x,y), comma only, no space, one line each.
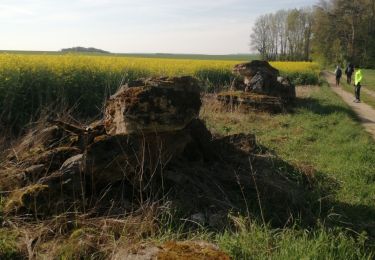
(254,241)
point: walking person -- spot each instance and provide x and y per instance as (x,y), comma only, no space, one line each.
(338,73)
(357,84)
(349,72)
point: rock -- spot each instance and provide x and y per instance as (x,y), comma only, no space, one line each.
(71,171)
(35,169)
(73,164)
(68,172)
(153,105)
(247,101)
(68,184)
(237,84)
(200,148)
(217,220)
(54,158)
(198,218)
(286,88)
(281,79)
(259,83)
(251,68)
(260,77)
(34,172)
(69,181)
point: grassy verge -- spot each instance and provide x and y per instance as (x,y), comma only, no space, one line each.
(369,79)
(322,134)
(257,242)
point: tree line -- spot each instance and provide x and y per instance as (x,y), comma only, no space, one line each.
(333,31)
(84,49)
(284,35)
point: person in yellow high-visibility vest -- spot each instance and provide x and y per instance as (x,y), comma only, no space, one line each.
(357,84)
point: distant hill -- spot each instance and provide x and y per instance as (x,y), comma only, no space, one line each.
(83,49)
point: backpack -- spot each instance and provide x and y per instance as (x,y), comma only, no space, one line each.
(338,72)
(349,70)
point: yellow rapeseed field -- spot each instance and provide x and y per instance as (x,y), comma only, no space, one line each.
(153,66)
(30,82)
(299,66)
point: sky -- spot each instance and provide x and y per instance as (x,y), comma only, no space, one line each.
(135,26)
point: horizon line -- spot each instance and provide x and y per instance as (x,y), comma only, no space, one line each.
(132,53)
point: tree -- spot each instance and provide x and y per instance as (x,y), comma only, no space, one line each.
(285,35)
(347,26)
(259,37)
(333,30)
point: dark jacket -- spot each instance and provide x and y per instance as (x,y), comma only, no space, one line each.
(349,70)
(338,72)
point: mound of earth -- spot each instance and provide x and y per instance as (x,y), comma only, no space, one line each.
(260,77)
(149,146)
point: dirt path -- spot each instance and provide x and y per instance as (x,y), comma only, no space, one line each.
(364,111)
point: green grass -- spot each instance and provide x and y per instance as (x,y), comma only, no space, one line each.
(366,98)
(369,79)
(324,134)
(257,242)
(8,245)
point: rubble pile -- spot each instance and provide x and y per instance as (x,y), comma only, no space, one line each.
(258,87)
(149,159)
(149,146)
(150,128)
